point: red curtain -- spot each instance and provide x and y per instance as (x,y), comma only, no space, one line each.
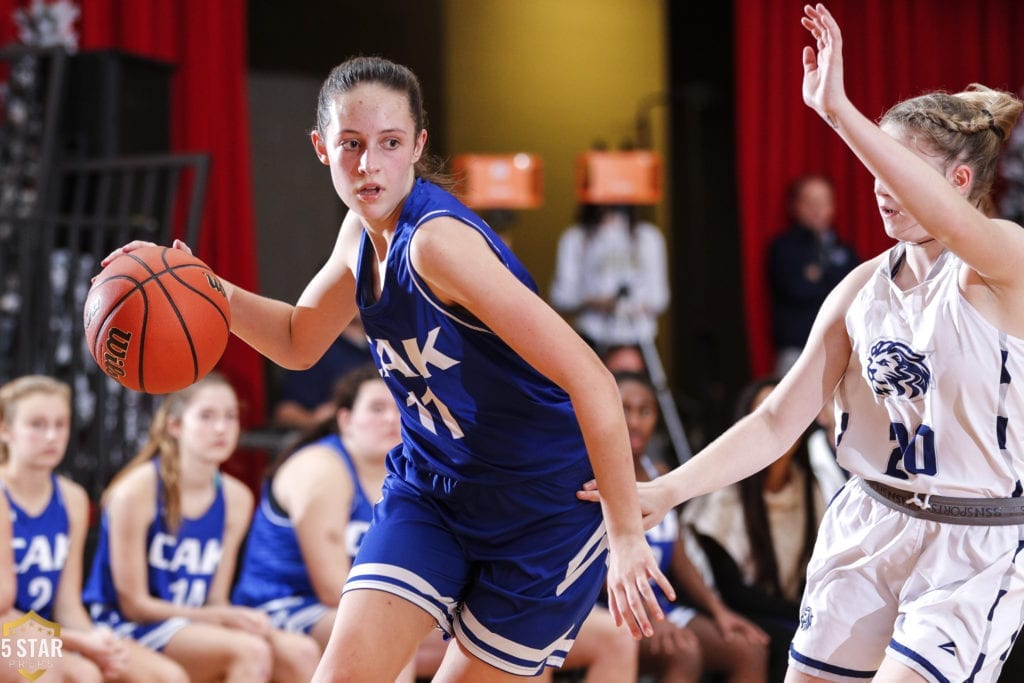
(893,49)
(8,29)
(207,42)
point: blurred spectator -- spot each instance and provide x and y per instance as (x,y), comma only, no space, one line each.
(700,634)
(1011,173)
(611,276)
(630,358)
(804,264)
(305,396)
(758,535)
(315,506)
(624,358)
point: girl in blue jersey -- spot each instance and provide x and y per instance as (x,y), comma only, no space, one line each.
(689,643)
(917,572)
(49,518)
(503,408)
(8,578)
(8,583)
(170,533)
(317,503)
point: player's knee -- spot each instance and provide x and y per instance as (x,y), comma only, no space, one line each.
(687,661)
(308,649)
(749,656)
(168,671)
(298,654)
(78,669)
(621,645)
(250,656)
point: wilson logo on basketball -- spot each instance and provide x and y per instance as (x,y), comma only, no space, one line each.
(215,283)
(116,351)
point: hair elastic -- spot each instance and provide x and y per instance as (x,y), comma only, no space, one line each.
(992,123)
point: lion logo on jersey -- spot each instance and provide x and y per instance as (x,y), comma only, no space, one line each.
(894,369)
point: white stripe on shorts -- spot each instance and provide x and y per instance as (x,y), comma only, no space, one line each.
(158,638)
(305,619)
(590,551)
(469,629)
(297,622)
(280,603)
(405,584)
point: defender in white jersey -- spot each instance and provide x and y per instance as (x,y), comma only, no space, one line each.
(917,574)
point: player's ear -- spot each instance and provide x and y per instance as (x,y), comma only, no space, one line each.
(960,177)
(319,147)
(173,427)
(343,419)
(421,144)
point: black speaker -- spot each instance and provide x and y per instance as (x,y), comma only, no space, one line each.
(117,104)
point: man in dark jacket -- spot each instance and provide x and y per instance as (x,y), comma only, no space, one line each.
(804,264)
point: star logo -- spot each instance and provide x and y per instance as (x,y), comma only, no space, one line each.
(31,643)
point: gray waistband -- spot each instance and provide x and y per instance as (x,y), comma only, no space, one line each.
(977,511)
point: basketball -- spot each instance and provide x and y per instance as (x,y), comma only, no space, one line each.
(156,319)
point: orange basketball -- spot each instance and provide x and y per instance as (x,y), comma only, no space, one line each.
(156,319)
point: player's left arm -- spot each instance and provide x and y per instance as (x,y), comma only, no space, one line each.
(68,609)
(8,577)
(937,199)
(77,630)
(238,508)
(461,269)
(316,490)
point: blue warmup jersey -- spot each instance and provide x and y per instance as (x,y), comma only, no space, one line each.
(40,551)
(180,565)
(273,567)
(472,409)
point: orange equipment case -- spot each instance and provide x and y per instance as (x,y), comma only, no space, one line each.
(626,177)
(499,181)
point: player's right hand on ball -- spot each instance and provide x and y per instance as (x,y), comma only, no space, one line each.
(138,244)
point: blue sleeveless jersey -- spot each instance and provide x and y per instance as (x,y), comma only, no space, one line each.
(472,409)
(273,567)
(40,552)
(180,566)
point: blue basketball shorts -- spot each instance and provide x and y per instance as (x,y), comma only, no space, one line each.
(295,613)
(511,570)
(154,635)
